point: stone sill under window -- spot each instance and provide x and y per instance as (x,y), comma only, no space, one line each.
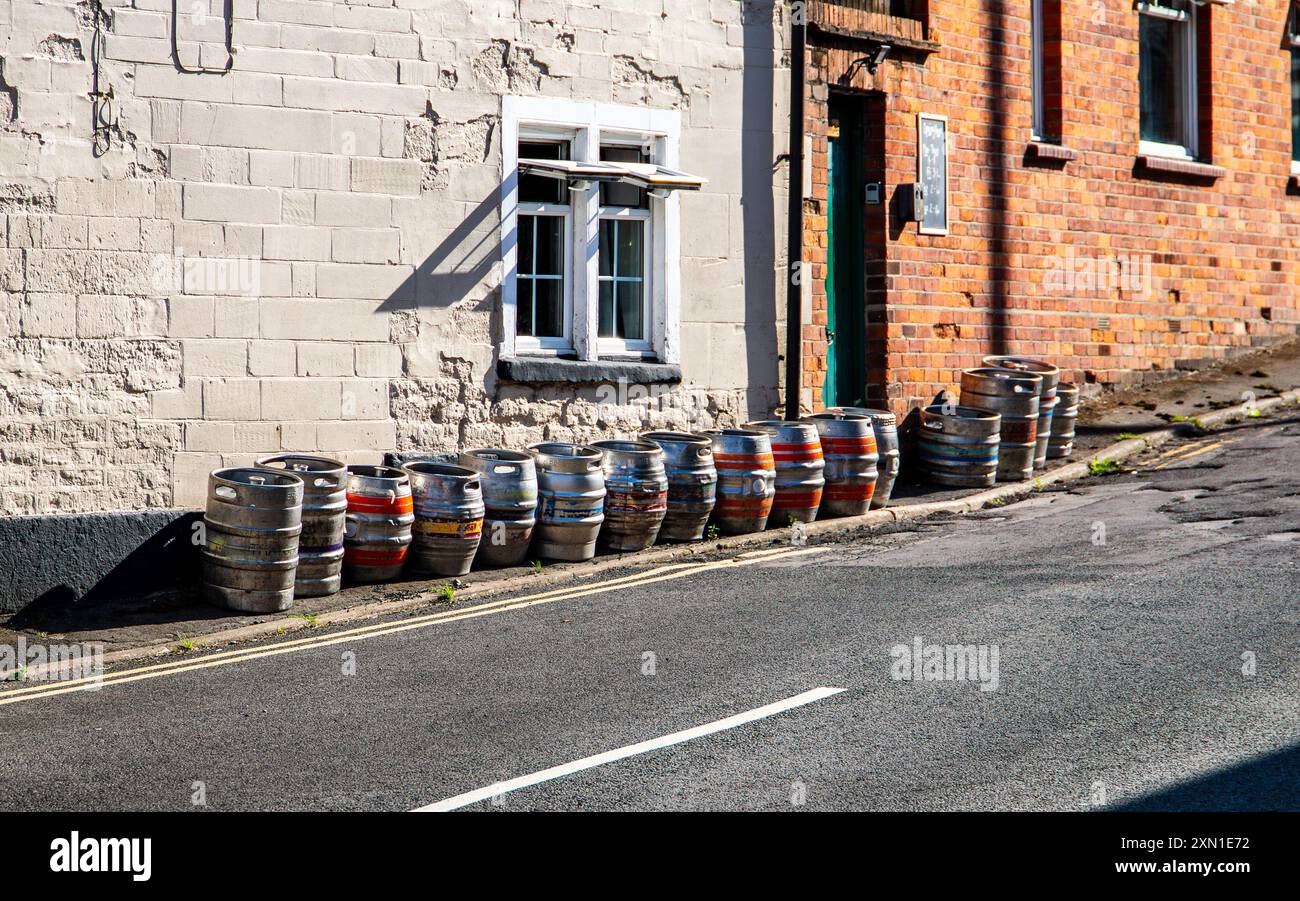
(1049,153)
(1166,166)
(539,370)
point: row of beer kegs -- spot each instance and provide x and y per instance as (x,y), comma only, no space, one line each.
(297,525)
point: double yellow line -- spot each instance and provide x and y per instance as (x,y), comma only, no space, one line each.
(223,658)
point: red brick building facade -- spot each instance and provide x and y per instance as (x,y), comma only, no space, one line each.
(1081,246)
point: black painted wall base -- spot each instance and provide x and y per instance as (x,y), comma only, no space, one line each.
(82,558)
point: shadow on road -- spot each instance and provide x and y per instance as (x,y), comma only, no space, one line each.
(1268,782)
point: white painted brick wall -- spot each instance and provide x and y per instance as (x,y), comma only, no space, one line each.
(300,254)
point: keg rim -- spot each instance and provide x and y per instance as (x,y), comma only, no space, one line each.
(633,446)
(330,464)
(868,412)
(377,471)
(567,450)
(442,470)
(766,425)
(673,437)
(995,372)
(962,411)
(1029,364)
(829,415)
(499,455)
(734,433)
(229,476)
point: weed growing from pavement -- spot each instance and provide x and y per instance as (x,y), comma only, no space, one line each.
(996,502)
(185,646)
(1127,436)
(537,567)
(309,618)
(1100,467)
(711,532)
(446,593)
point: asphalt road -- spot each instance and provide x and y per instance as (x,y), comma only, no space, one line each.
(1119,609)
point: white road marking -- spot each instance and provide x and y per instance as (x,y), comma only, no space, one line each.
(654,744)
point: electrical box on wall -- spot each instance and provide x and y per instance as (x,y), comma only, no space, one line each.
(875,192)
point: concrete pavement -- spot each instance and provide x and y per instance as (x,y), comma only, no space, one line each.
(1120,610)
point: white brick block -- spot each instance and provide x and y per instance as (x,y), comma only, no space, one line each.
(231,399)
(325,359)
(214,357)
(272,358)
(255,127)
(231,203)
(378,360)
(323,320)
(380,176)
(354,245)
(292,242)
(355,210)
(271,169)
(365,399)
(368,436)
(359,281)
(301,398)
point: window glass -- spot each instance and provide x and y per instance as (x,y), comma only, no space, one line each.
(618,194)
(1163,74)
(536,188)
(539,298)
(622,279)
(1295,103)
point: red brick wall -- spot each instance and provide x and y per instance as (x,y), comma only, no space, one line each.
(1214,261)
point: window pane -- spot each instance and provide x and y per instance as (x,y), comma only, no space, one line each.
(631,258)
(524,307)
(606,329)
(623,195)
(630,310)
(607,232)
(535,188)
(1295,104)
(527,229)
(1163,80)
(550,308)
(549,258)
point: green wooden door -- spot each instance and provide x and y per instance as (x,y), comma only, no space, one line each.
(845,262)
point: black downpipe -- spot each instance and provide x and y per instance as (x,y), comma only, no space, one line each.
(794,248)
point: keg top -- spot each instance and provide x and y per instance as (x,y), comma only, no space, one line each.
(302,462)
(960,412)
(1025,364)
(1066,387)
(441,470)
(771,426)
(885,416)
(740,433)
(633,446)
(367,471)
(257,477)
(1009,375)
(566,449)
(676,437)
(490,454)
(837,414)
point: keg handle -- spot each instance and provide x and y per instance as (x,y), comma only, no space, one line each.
(472,485)
(225,492)
(936,425)
(324,482)
(504,468)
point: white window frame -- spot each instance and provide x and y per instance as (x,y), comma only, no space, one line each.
(590,125)
(1189,148)
(1038,127)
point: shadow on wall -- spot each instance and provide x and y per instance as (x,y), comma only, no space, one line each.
(73,572)
(757,173)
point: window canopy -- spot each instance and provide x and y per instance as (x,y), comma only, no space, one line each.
(659,180)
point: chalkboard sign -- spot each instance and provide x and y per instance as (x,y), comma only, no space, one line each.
(932,172)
